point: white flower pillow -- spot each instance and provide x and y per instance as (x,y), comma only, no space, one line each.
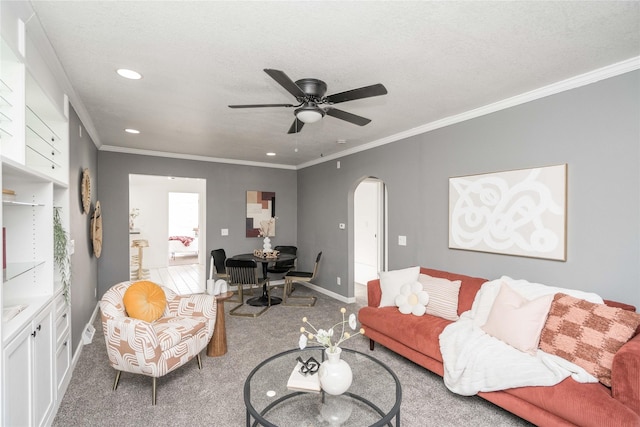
(412,299)
(392,281)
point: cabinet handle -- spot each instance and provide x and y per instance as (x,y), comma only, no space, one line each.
(39,327)
(53,153)
(64,316)
(33,334)
(65,343)
(53,167)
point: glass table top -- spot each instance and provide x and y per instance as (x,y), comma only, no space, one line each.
(373,399)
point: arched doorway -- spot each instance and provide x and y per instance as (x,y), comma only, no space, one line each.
(369,233)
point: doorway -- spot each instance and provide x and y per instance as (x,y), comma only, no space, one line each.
(184,228)
(369,254)
(151,206)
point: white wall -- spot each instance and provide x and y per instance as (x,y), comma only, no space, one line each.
(150,194)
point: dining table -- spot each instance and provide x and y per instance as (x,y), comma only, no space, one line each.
(264,299)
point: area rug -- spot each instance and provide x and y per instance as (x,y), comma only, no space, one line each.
(213,396)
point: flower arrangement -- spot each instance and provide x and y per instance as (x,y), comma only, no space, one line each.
(268,227)
(132,216)
(324,337)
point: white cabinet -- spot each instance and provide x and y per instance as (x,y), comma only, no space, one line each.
(35,336)
(28,386)
(62,343)
(17,380)
(46,137)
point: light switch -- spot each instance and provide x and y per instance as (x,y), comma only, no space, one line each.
(224,232)
(402,240)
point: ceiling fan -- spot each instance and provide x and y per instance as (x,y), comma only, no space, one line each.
(310,96)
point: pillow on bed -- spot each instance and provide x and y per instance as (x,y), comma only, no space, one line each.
(515,320)
(392,281)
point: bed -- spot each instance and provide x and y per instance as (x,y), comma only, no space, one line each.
(181,245)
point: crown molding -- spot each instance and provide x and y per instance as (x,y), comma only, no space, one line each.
(125,150)
(590,77)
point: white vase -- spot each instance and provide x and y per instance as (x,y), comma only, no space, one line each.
(335,374)
(335,410)
(266,245)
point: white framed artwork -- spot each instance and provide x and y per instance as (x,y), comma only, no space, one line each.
(520,212)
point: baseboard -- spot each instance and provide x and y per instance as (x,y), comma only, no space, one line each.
(76,355)
(74,361)
(333,295)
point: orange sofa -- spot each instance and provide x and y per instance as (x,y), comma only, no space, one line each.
(568,403)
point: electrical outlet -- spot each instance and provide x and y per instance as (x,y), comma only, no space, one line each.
(224,232)
(338,164)
(402,240)
(338,281)
(95,293)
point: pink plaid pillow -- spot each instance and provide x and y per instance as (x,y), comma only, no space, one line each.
(587,334)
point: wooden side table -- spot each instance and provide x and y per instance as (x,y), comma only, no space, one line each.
(218,344)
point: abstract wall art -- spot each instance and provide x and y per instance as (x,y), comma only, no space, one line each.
(520,212)
(261,208)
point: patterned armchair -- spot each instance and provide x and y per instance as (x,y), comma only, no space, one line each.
(157,348)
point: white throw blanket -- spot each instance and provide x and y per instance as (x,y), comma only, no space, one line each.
(475,361)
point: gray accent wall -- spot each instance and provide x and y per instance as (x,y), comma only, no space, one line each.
(595,129)
(84,266)
(227,185)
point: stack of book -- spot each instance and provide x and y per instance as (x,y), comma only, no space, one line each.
(301,382)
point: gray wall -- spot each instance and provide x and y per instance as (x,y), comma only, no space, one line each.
(84,266)
(594,129)
(226,205)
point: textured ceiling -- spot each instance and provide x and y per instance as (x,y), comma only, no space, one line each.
(436,59)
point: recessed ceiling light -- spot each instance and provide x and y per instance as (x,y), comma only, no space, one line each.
(129,74)
(134,131)
(342,141)
(271,154)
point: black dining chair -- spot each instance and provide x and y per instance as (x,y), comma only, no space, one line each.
(219,257)
(242,273)
(300,276)
(280,268)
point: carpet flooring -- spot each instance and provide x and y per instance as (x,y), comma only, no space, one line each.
(213,396)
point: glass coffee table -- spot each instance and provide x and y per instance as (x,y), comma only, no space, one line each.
(372,400)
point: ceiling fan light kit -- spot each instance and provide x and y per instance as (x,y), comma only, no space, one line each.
(310,96)
(309,113)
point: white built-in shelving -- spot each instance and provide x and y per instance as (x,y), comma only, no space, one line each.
(35,332)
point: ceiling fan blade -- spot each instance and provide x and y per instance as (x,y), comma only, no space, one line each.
(260,105)
(296,126)
(363,92)
(351,118)
(285,82)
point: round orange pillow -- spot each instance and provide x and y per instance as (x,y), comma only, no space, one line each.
(145,301)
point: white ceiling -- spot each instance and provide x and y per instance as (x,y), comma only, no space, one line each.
(436,59)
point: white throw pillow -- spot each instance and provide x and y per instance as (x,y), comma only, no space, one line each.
(515,320)
(443,296)
(392,281)
(412,299)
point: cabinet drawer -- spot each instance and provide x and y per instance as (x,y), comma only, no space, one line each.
(62,326)
(63,361)
(40,128)
(46,149)
(60,304)
(40,161)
